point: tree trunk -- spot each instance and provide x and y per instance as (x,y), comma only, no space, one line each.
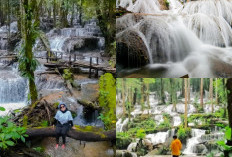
(229,100)
(189,91)
(201,92)
(28,48)
(147,95)
(135,96)
(174,97)
(75,134)
(211,93)
(216,92)
(142,93)
(162,92)
(54,13)
(183,90)
(186,102)
(123,98)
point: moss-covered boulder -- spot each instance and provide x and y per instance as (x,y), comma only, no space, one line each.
(122,142)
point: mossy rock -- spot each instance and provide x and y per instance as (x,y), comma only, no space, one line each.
(88,104)
(123,142)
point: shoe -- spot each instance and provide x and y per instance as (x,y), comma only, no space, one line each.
(57,146)
(63,146)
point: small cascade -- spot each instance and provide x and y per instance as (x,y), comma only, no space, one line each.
(199,32)
(159,119)
(176,121)
(158,138)
(132,146)
(87,119)
(77,38)
(13,91)
(192,142)
(120,125)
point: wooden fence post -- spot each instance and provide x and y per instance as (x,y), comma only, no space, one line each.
(90,67)
(96,70)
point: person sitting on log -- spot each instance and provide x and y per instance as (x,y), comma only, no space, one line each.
(63,122)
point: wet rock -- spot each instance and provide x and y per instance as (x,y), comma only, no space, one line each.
(124,153)
(200,149)
(76,149)
(131,50)
(88,104)
(123,142)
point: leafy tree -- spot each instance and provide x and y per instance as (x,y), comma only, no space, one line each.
(27,62)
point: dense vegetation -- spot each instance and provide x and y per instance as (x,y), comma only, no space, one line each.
(136,93)
(31,15)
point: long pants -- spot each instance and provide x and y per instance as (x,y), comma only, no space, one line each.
(61,130)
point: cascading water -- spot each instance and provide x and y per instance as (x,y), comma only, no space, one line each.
(192,142)
(91,119)
(193,38)
(13,91)
(65,39)
(159,137)
(121,124)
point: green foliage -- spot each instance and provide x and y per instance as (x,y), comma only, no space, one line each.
(163,150)
(147,124)
(68,75)
(223,145)
(220,113)
(140,134)
(183,133)
(166,123)
(167,3)
(39,149)
(10,133)
(107,101)
(25,62)
(122,140)
(44,123)
(221,90)
(2,109)
(25,120)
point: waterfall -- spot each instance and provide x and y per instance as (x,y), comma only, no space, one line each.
(176,120)
(158,138)
(91,119)
(193,38)
(192,142)
(13,91)
(121,124)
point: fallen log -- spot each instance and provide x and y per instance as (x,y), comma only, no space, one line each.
(88,133)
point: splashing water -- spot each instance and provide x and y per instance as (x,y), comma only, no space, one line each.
(194,38)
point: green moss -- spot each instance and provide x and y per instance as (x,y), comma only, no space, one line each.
(123,140)
(91,129)
(56,104)
(183,133)
(44,123)
(25,120)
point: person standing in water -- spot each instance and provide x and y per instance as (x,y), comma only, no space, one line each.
(63,122)
(176,146)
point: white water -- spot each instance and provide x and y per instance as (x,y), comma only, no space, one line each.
(132,146)
(158,138)
(176,121)
(13,91)
(121,124)
(186,39)
(192,142)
